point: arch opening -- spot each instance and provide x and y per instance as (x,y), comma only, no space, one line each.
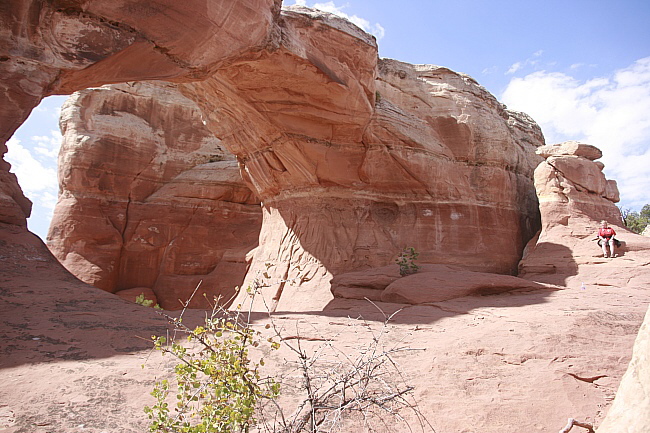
(298,105)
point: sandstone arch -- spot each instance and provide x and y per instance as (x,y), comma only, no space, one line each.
(352,157)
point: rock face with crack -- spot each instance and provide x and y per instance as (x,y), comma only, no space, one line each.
(148,197)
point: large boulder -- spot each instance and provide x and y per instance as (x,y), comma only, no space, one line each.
(431,283)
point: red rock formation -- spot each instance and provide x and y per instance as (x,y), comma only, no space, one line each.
(353,160)
(574,197)
(15,208)
(60,46)
(148,198)
(521,361)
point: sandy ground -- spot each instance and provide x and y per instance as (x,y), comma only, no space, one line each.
(76,359)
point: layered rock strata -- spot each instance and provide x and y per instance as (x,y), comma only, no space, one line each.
(148,197)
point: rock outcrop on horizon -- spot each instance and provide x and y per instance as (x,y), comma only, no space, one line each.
(149,198)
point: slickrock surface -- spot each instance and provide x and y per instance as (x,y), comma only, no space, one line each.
(518,361)
(631,409)
(574,196)
(149,198)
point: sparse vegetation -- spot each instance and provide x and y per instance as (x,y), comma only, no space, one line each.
(220,388)
(142,300)
(406,261)
(217,384)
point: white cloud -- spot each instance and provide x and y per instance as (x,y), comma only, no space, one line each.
(490,70)
(375,29)
(610,112)
(36,170)
(514,68)
(533,60)
(48,146)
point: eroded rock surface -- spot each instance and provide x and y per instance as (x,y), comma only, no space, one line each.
(57,47)
(517,361)
(403,155)
(631,409)
(149,198)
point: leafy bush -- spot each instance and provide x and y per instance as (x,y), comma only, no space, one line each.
(141,300)
(217,385)
(219,388)
(406,261)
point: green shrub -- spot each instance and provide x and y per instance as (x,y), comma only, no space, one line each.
(637,221)
(406,261)
(217,386)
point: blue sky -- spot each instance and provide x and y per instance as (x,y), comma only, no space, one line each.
(580,68)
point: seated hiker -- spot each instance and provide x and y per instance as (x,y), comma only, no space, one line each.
(606,235)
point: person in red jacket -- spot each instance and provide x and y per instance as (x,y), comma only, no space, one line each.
(606,235)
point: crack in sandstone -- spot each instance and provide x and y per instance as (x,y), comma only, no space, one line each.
(588,379)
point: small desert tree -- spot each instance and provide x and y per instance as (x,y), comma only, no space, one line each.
(220,388)
(636,221)
(217,384)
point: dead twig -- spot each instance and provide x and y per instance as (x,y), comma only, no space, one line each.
(573,422)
